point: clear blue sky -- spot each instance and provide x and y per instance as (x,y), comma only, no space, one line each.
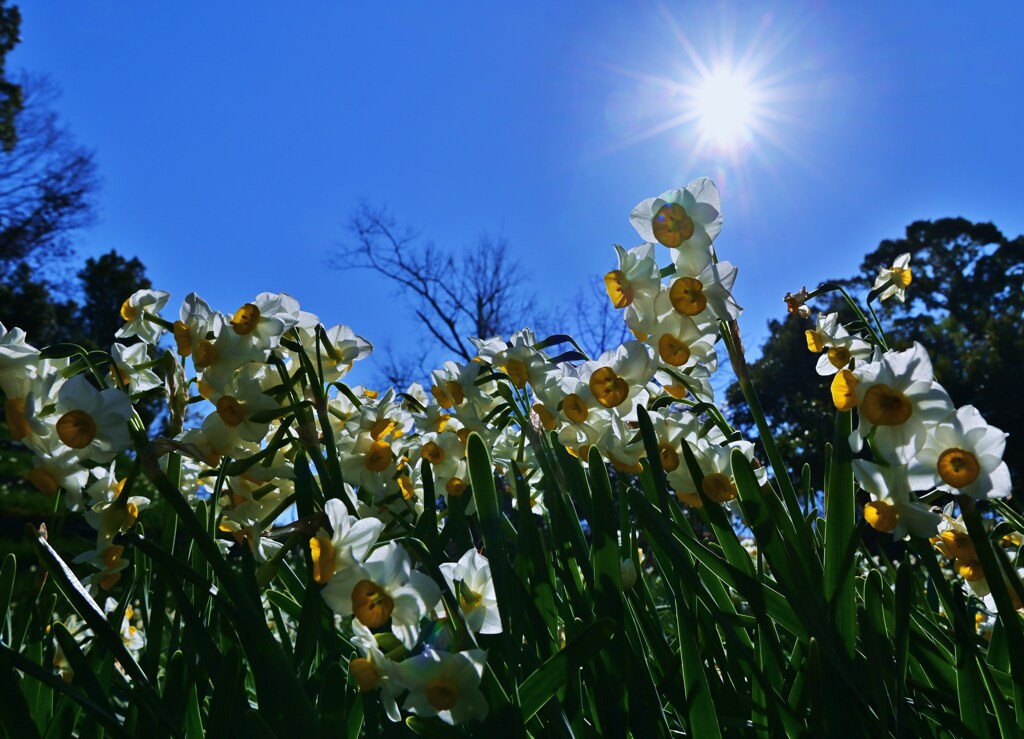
(233,138)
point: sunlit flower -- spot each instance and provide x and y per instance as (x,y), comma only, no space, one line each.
(445,685)
(131,631)
(689,217)
(637,278)
(618,376)
(265,319)
(710,290)
(339,349)
(954,541)
(59,467)
(133,368)
(372,670)
(897,399)
(894,509)
(963,454)
(196,321)
(93,422)
(349,542)
(384,589)
(470,580)
(893,281)
(134,311)
(18,361)
(233,420)
(218,359)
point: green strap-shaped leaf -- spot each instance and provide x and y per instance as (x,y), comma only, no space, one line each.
(762,598)
(15,716)
(1007,612)
(14,709)
(703,718)
(85,677)
(7,572)
(541,686)
(840,528)
(93,615)
(904,602)
(481,473)
(604,556)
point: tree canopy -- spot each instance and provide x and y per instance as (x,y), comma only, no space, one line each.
(965,305)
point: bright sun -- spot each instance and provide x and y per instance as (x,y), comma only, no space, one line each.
(724,104)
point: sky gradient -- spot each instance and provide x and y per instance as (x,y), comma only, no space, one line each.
(233,139)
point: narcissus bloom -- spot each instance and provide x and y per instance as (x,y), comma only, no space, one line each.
(131,365)
(92,422)
(689,217)
(232,421)
(637,278)
(196,320)
(894,509)
(835,344)
(372,670)
(897,400)
(618,376)
(340,351)
(963,454)
(349,542)
(893,281)
(710,290)
(445,685)
(266,318)
(471,582)
(384,589)
(134,311)
(18,361)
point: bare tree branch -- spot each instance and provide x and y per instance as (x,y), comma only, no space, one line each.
(598,326)
(478,292)
(46,183)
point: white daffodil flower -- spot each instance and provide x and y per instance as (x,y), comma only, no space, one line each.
(638,278)
(893,509)
(897,399)
(134,310)
(94,423)
(231,423)
(384,588)
(470,581)
(445,685)
(963,454)
(617,445)
(372,670)
(57,466)
(18,360)
(679,341)
(217,359)
(893,281)
(619,376)
(343,349)
(840,352)
(129,366)
(265,319)
(711,291)
(954,541)
(687,218)
(348,543)
(196,321)
(131,629)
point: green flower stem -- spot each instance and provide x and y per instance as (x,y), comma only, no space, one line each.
(731,335)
